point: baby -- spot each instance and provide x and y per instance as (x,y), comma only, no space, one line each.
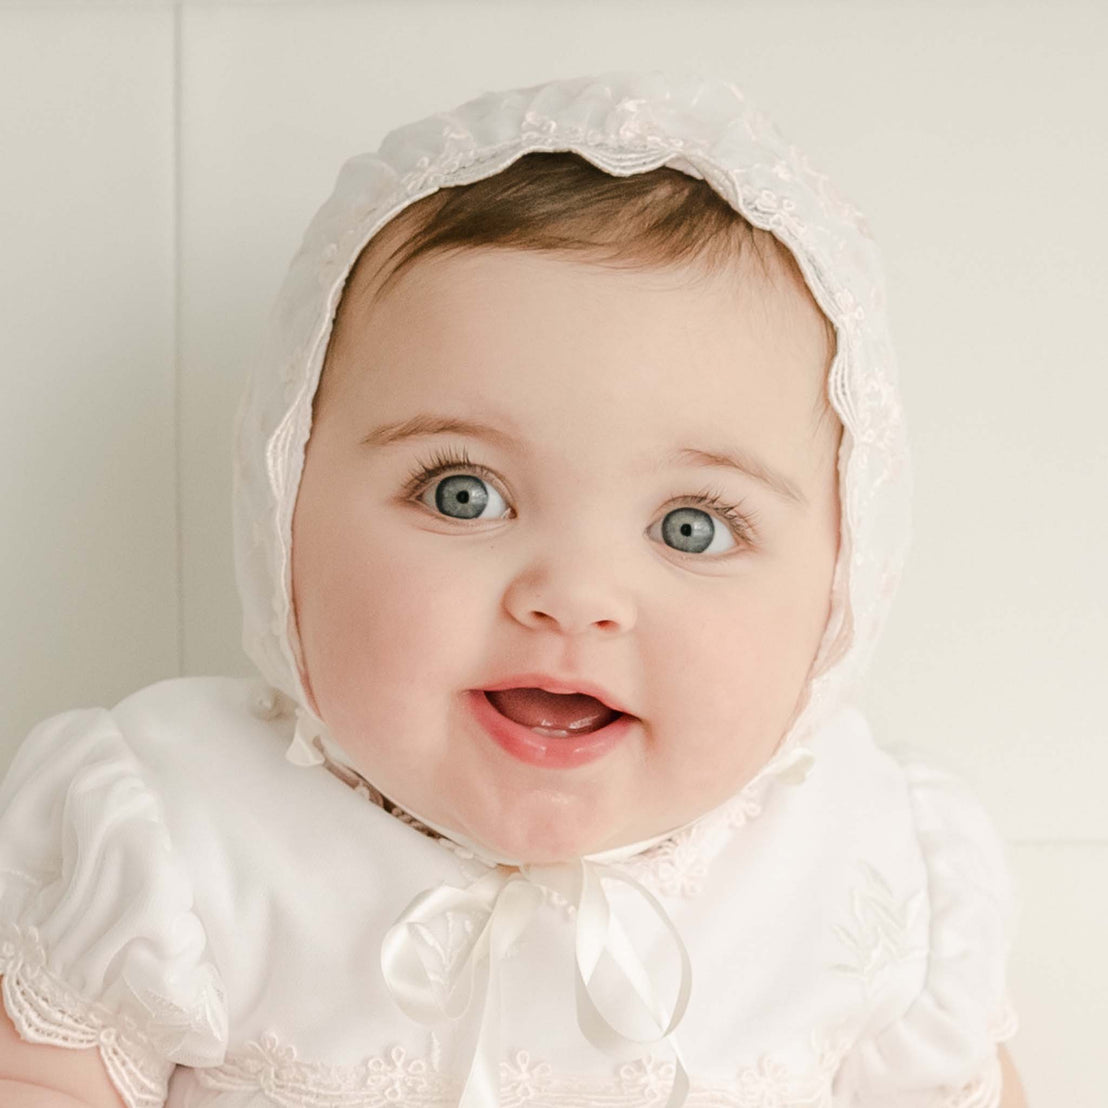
(570,495)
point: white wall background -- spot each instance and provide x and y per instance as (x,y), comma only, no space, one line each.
(159,162)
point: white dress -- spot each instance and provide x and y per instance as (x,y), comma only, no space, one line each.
(175,892)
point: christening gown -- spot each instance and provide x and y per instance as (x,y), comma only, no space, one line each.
(201,885)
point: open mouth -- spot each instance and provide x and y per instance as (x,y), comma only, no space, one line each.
(555,731)
(554,715)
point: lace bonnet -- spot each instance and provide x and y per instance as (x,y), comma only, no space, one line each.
(623,123)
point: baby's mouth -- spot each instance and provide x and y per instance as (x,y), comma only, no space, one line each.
(555,715)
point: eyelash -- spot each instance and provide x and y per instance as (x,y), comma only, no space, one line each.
(742,522)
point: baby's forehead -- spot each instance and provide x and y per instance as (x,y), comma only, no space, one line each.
(478,329)
(764,288)
(766,271)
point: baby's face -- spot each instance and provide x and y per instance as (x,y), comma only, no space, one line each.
(565,540)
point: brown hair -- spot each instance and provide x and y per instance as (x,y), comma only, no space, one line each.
(562,203)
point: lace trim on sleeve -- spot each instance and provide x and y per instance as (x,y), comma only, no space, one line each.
(46,1010)
(1005,1023)
(984,1091)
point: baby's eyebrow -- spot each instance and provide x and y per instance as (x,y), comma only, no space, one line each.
(743,461)
(423,424)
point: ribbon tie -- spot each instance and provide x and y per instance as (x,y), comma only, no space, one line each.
(506,899)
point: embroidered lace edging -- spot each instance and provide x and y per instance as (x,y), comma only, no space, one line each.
(985,1090)
(46,1010)
(982,1092)
(1005,1023)
(397,1077)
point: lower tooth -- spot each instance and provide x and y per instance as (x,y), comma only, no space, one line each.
(550,732)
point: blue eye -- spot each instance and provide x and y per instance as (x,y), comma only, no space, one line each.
(716,527)
(463,496)
(691,531)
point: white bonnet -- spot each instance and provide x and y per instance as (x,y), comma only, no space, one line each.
(624,123)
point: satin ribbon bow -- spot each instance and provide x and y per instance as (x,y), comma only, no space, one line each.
(506,900)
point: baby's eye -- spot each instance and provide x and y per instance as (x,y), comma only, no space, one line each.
(463,496)
(692,531)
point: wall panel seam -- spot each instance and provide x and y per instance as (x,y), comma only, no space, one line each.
(176,213)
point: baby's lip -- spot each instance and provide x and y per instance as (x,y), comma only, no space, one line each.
(567,684)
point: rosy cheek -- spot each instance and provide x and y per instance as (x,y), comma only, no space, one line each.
(404,610)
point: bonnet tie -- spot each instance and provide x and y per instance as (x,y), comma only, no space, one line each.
(505,901)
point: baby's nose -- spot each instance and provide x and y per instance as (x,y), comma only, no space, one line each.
(571,596)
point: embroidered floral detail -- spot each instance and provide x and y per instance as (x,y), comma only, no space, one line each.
(443,949)
(46,1010)
(878,936)
(771,1084)
(522,1082)
(525,1082)
(648,1079)
(400,1078)
(273,1068)
(678,866)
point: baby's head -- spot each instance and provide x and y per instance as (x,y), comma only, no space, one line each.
(572,432)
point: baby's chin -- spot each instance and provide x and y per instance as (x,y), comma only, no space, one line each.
(539,847)
(551,829)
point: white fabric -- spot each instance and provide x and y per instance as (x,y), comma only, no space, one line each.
(175,891)
(200,878)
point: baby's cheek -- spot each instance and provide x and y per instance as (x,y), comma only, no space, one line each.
(728,679)
(396,614)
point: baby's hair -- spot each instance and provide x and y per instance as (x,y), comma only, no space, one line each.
(561,203)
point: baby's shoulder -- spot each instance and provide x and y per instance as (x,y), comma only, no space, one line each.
(198,717)
(902,818)
(213,749)
(204,755)
(872,785)
(194,743)
(155,734)
(857,789)
(213,725)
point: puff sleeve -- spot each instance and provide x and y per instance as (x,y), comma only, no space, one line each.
(99,944)
(941,1051)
